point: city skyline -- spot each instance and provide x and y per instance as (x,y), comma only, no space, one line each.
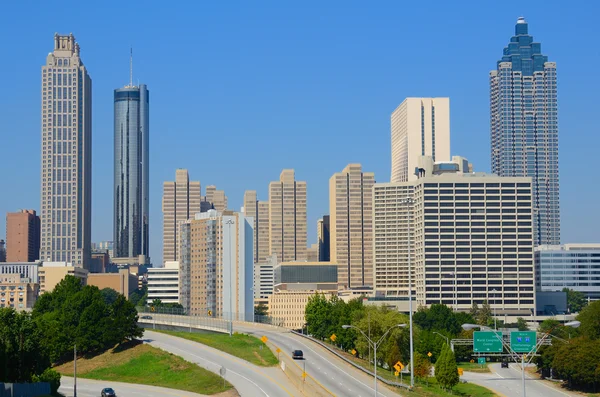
(316,173)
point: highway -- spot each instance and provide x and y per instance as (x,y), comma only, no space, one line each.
(507,382)
(248,379)
(92,388)
(337,376)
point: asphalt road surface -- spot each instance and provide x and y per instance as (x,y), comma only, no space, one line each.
(248,379)
(339,377)
(507,381)
(92,388)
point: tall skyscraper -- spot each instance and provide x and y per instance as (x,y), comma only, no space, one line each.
(323,238)
(351,228)
(180,202)
(259,210)
(22,236)
(524,126)
(420,127)
(131,215)
(66,191)
(216,198)
(287,218)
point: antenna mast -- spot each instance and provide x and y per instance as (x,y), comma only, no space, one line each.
(131,66)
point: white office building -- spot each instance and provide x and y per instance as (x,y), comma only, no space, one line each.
(163,283)
(264,279)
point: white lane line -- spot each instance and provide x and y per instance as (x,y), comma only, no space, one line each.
(228,370)
(499,375)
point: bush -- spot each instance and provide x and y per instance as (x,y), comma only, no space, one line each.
(50,376)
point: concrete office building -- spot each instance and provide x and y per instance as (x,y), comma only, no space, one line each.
(216,198)
(123,281)
(217,265)
(264,279)
(22,236)
(131,171)
(259,211)
(573,266)
(100,262)
(2,251)
(524,126)
(306,276)
(66,180)
(323,238)
(287,218)
(288,307)
(420,127)
(312,253)
(52,273)
(107,246)
(470,237)
(29,270)
(181,200)
(351,225)
(17,292)
(163,283)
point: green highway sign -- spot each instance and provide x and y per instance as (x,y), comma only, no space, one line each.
(523,341)
(481,360)
(487,342)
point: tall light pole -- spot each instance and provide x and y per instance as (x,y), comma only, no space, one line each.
(374,344)
(230,222)
(409,201)
(495,320)
(75,370)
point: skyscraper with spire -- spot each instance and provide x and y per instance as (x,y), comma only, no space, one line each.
(131,168)
(524,127)
(66,185)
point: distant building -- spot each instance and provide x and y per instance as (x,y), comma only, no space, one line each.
(163,283)
(306,276)
(259,211)
(323,237)
(2,251)
(351,228)
(22,236)
(180,202)
(52,273)
(264,279)
(573,266)
(29,270)
(312,253)
(17,292)
(216,198)
(217,265)
(100,262)
(104,246)
(287,218)
(289,307)
(123,282)
(420,127)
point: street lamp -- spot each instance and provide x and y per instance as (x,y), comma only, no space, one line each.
(409,201)
(230,222)
(495,324)
(374,344)
(467,327)
(443,336)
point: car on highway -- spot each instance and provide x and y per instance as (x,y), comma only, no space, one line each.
(297,355)
(146,317)
(504,364)
(108,392)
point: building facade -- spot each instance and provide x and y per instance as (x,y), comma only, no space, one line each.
(420,127)
(29,270)
(573,266)
(17,292)
(323,239)
(351,225)
(52,273)
(131,171)
(180,202)
(306,276)
(123,281)
(66,180)
(216,198)
(287,218)
(470,234)
(22,236)
(163,283)
(264,279)
(217,263)
(259,211)
(288,307)
(524,126)
(2,251)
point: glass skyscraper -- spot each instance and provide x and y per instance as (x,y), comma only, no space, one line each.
(524,126)
(66,185)
(131,214)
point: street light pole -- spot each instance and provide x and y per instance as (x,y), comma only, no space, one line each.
(495,320)
(409,201)
(230,222)
(375,344)
(75,370)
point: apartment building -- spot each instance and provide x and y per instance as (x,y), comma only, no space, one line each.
(17,292)
(163,283)
(259,211)
(216,197)
(264,279)
(52,273)
(22,236)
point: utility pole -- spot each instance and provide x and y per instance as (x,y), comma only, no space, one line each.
(75,370)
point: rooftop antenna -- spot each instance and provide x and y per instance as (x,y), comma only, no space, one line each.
(131,66)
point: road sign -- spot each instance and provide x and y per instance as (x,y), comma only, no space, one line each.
(303,375)
(278,350)
(460,372)
(472,361)
(523,341)
(210,313)
(396,373)
(480,360)
(429,354)
(487,342)
(333,337)
(353,352)
(264,339)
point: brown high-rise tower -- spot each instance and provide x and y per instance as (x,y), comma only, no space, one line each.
(22,236)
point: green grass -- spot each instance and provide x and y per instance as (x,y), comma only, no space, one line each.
(246,347)
(474,367)
(144,364)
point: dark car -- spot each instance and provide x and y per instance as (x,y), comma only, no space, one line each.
(146,317)
(297,355)
(504,364)
(108,392)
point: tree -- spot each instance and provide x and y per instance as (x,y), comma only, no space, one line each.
(422,366)
(124,318)
(474,312)
(446,371)
(109,295)
(590,320)
(156,303)
(485,314)
(139,296)
(440,367)
(393,355)
(575,300)
(522,324)
(261,310)
(577,362)
(437,318)
(50,376)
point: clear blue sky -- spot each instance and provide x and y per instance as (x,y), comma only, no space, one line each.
(241,90)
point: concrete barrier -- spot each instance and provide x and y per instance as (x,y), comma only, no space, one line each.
(24,389)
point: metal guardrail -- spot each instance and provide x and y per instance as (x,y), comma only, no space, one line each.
(186,322)
(363,369)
